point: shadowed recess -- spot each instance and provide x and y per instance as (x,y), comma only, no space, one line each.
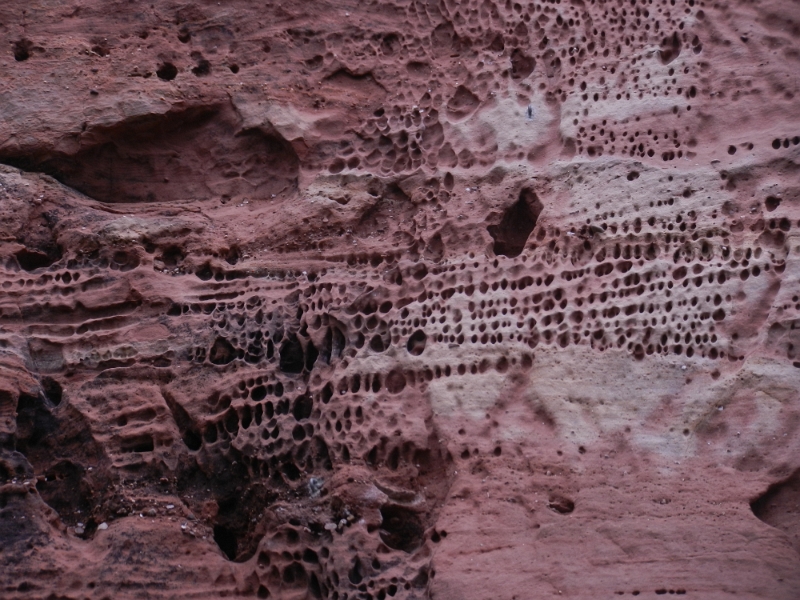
(779,507)
(199,153)
(518,221)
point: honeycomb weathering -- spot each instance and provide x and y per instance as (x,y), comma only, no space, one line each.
(405,299)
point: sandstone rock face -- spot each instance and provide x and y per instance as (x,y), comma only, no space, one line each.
(452,300)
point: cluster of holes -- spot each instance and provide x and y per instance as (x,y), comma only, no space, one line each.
(667,290)
(645,310)
(777,144)
(549,39)
(292,419)
(315,569)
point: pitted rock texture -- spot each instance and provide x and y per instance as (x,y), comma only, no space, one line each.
(452,300)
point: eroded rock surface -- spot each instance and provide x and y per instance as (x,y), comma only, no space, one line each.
(453,300)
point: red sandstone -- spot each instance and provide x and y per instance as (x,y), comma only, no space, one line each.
(450,300)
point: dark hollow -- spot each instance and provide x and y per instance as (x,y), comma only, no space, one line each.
(226,540)
(401,528)
(511,235)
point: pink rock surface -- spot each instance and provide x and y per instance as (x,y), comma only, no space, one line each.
(452,300)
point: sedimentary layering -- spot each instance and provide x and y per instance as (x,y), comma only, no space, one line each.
(412,299)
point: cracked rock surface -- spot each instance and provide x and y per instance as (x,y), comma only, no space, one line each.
(411,299)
